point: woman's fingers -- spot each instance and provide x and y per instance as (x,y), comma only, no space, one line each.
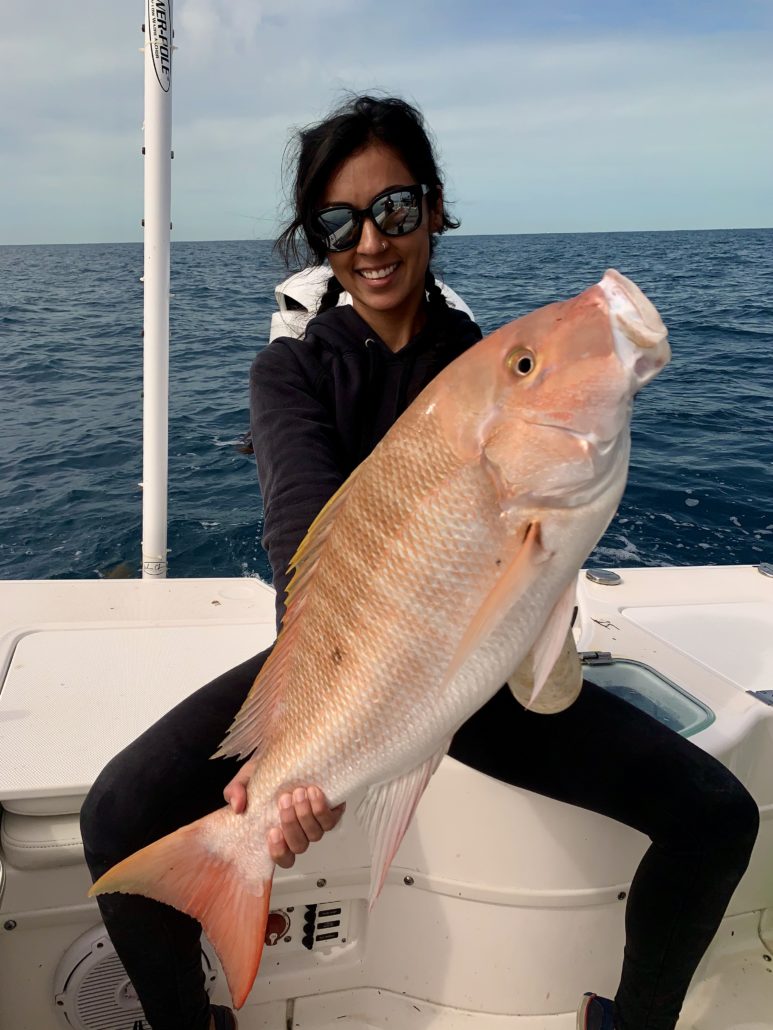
(299,824)
(304,817)
(278,850)
(236,791)
(236,796)
(326,817)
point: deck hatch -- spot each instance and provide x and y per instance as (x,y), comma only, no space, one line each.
(101,687)
(648,690)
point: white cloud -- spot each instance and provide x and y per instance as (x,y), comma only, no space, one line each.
(577,129)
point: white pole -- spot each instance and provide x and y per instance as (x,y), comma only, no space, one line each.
(158,191)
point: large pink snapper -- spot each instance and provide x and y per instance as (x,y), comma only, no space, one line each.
(445,563)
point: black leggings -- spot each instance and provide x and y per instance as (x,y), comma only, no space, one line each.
(614,760)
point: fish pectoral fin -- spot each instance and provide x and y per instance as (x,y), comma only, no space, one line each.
(555,656)
(521,573)
(385,813)
(182,870)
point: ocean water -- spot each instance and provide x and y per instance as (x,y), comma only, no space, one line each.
(700,489)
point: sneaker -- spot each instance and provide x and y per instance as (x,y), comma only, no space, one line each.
(223,1017)
(595,1013)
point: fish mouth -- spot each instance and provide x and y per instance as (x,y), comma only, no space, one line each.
(605,462)
(600,447)
(641,339)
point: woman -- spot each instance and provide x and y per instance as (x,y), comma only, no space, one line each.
(369,200)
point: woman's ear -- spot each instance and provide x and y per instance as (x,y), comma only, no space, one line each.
(436,212)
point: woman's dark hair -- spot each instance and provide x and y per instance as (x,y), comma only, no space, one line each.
(317,152)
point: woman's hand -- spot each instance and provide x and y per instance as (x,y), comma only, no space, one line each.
(304,816)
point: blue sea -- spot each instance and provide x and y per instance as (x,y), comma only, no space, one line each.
(701,482)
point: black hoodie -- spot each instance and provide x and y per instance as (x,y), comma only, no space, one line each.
(320,404)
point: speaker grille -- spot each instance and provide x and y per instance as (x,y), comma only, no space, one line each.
(92,990)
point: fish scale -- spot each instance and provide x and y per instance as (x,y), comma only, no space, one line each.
(444,565)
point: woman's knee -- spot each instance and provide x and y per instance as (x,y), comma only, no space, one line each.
(115,820)
(101,829)
(721,814)
(738,816)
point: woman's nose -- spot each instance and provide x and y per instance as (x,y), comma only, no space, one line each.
(371,240)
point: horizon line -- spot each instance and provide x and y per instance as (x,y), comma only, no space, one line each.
(457,235)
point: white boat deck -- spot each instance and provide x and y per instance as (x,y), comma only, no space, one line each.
(505,935)
(109,657)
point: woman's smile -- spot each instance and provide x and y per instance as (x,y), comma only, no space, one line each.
(385,275)
(378,274)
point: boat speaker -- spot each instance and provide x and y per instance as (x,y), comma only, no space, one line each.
(92,990)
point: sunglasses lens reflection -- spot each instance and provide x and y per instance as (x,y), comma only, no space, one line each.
(395,214)
(339,227)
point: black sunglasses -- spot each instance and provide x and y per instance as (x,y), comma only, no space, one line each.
(395,212)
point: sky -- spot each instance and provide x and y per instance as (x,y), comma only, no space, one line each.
(550,115)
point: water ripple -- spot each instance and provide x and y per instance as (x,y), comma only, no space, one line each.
(701,483)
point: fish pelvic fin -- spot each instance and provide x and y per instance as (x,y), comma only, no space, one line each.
(182,871)
(252,725)
(554,651)
(386,812)
(563,685)
(549,679)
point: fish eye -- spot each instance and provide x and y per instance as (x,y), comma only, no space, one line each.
(522,362)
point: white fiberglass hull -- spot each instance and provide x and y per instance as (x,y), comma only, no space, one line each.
(504,935)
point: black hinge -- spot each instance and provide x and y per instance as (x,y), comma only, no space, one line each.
(596,657)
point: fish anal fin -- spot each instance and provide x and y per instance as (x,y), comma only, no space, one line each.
(252,725)
(180,870)
(386,812)
(508,588)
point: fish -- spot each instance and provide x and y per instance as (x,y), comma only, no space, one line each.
(445,565)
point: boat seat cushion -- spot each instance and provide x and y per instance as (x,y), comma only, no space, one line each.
(41,842)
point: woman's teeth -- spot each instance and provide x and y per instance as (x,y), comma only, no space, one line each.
(378,273)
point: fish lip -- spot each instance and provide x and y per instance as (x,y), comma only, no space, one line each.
(640,337)
(623,295)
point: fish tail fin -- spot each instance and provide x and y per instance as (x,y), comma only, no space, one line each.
(181,870)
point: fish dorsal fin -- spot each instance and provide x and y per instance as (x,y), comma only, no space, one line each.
(512,584)
(304,561)
(252,724)
(386,811)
